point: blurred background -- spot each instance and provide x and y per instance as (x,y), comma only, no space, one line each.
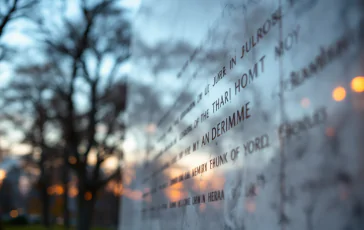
(64,66)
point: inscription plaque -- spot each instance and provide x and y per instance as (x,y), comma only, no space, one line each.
(246,115)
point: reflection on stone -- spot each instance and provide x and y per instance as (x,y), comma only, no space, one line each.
(224,154)
(339,93)
(357,84)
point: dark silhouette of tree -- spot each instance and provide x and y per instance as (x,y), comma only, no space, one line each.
(72,102)
(89,95)
(6,197)
(26,105)
(11,10)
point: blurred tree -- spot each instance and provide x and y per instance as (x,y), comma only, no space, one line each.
(11,10)
(27,104)
(71,103)
(86,52)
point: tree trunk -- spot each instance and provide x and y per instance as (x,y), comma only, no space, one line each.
(85,211)
(45,206)
(66,215)
(118,213)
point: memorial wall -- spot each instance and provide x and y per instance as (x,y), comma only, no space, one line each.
(246,115)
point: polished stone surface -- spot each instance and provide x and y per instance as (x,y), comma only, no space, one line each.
(245,115)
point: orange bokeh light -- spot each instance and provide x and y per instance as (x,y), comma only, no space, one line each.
(118,189)
(88,196)
(14,213)
(58,189)
(339,93)
(132,194)
(72,192)
(2,174)
(357,84)
(174,194)
(72,160)
(55,190)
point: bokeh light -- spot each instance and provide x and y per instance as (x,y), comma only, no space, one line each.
(357,84)
(88,196)
(72,192)
(339,93)
(2,174)
(58,189)
(72,160)
(14,213)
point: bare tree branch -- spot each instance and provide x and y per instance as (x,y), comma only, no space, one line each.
(7,17)
(16,10)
